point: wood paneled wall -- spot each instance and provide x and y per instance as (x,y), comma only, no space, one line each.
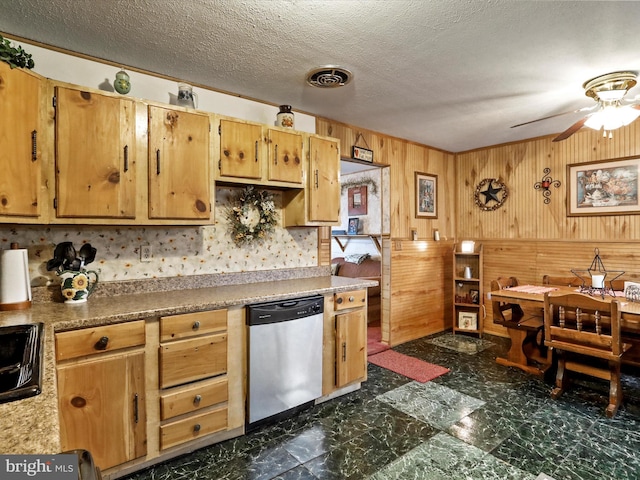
(525,238)
(415,299)
(520,166)
(420,299)
(404,158)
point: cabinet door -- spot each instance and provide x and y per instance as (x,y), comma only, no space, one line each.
(95,150)
(324,180)
(240,148)
(19,109)
(285,157)
(179,183)
(351,347)
(102,408)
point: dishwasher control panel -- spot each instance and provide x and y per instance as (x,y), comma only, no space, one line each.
(282,311)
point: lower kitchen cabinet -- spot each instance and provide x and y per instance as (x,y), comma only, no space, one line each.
(101,392)
(192,377)
(345,340)
(351,347)
(138,392)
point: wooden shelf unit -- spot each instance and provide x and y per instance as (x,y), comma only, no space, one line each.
(468,308)
(343,240)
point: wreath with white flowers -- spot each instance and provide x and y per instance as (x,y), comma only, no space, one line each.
(252,215)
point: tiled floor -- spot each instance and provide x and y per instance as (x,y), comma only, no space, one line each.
(480,421)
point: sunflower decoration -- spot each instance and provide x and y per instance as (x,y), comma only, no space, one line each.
(252,216)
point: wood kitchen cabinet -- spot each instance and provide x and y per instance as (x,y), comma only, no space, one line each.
(101,392)
(319,203)
(95,155)
(123,161)
(257,154)
(285,156)
(192,376)
(20,145)
(179,181)
(345,340)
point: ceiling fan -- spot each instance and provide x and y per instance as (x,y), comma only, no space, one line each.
(609,113)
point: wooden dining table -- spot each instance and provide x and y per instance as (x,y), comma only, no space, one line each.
(530,355)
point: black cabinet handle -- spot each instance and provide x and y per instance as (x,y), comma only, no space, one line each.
(126,158)
(197,399)
(102,343)
(158,162)
(34,145)
(196,325)
(136,417)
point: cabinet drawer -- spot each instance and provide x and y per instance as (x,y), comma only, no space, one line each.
(352,299)
(89,341)
(185,361)
(191,324)
(193,427)
(193,397)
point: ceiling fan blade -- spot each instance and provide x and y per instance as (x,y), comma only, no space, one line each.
(571,130)
(556,115)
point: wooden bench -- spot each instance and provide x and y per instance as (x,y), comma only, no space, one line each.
(527,351)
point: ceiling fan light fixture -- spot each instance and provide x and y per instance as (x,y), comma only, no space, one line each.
(612,117)
(611,95)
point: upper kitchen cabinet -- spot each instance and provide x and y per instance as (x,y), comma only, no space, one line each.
(285,156)
(319,203)
(179,175)
(123,161)
(252,153)
(20,149)
(95,155)
(240,150)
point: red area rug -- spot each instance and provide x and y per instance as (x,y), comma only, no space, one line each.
(374,345)
(411,367)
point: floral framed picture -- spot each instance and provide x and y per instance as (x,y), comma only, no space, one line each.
(426,195)
(603,187)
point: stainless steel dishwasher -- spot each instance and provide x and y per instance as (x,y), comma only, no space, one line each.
(285,357)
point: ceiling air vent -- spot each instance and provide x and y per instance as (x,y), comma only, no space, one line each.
(329,77)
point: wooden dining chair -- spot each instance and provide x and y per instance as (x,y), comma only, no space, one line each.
(527,350)
(504,312)
(585,333)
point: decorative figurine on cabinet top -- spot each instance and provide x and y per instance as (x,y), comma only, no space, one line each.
(122,83)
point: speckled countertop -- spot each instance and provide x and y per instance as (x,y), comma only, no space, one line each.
(31,425)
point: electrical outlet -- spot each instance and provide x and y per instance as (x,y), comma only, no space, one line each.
(145,253)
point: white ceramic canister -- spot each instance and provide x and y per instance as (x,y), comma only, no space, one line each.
(285,118)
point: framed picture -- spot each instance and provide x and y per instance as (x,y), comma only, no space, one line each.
(603,188)
(475,296)
(426,195)
(352,229)
(467,320)
(357,200)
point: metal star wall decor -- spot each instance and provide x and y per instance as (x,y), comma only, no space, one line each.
(490,194)
(545,183)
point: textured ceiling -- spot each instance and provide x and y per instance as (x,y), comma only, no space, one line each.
(452,74)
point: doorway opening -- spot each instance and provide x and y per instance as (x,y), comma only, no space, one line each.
(357,244)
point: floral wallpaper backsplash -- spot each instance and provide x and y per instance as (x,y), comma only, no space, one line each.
(176,251)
